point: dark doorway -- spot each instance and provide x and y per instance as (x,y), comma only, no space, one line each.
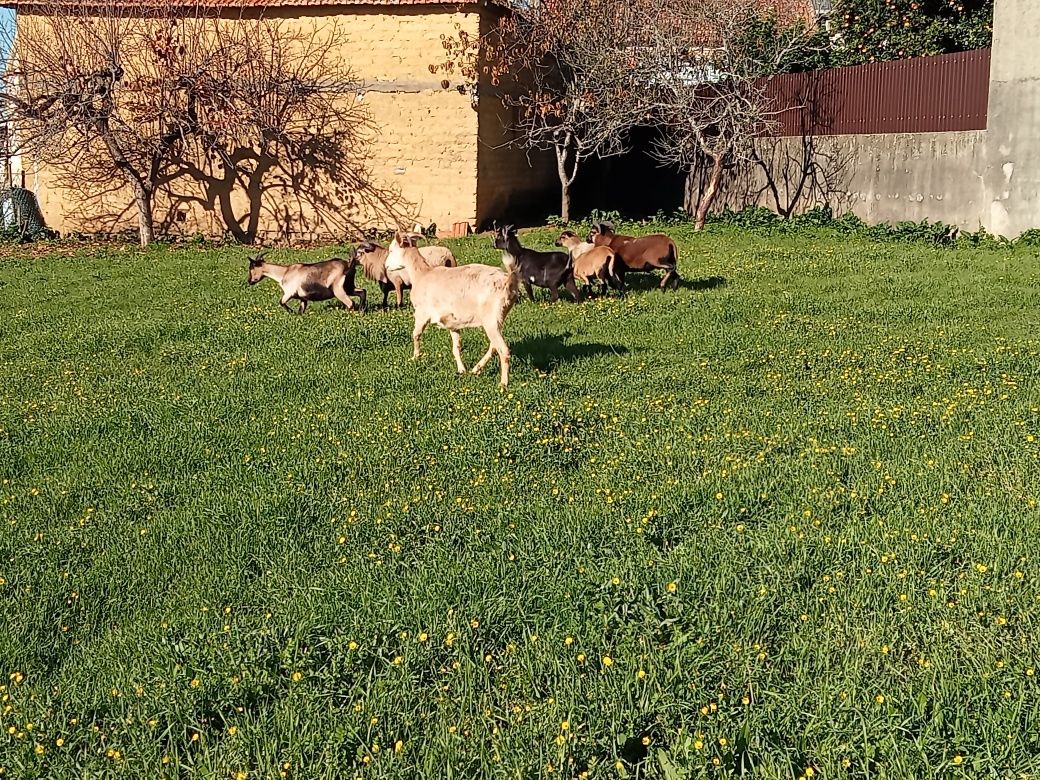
(632,183)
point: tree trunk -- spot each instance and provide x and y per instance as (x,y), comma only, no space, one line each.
(145,224)
(708,196)
(566,179)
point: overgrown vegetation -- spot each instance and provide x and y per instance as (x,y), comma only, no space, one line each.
(873,31)
(782,520)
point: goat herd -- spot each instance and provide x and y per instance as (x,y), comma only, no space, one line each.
(473,296)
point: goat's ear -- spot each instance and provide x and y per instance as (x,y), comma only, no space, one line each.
(508,230)
(606,226)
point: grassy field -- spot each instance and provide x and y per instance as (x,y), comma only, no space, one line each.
(781,523)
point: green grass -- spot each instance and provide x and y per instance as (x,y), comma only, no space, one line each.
(784,523)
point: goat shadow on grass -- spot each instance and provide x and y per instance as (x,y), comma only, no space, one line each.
(548,351)
(647,282)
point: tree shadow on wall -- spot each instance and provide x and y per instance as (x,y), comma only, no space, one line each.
(285,188)
(796,170)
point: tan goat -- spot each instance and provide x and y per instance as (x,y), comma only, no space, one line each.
(306,282)
(372,258)
(467,296)
(591,262)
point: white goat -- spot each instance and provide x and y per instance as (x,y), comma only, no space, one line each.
(468,296)
(372,258)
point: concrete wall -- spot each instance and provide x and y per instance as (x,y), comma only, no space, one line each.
(881,178)
(1013,131)
(971,179)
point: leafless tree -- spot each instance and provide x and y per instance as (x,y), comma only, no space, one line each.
(703,74)
(109,95)
(561,65)
(294,143)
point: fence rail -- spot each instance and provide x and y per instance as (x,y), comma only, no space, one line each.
(920,95)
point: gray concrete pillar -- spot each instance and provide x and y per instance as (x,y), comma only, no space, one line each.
(1012,175)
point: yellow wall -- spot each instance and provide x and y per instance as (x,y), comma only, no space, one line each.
(426,147)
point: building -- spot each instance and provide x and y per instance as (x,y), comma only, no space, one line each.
(442,147)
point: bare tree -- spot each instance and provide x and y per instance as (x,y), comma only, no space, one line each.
(560,65)
(702,71)
(109,95)
(293,145)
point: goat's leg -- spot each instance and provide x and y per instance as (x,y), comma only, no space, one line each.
(456,350)
(303,306)
(386,293)
(554,294)
(343,295)
(399,292)
(417,331)
(530,292)
(498,344)
(573,290)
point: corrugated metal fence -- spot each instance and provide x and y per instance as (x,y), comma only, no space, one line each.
(920,95)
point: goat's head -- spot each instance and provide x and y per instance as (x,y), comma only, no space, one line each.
(568,238)
(504,236)
(363,249)
(600,234)
(256,267)
(403,239)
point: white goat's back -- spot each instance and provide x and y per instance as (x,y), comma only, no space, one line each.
(469,296)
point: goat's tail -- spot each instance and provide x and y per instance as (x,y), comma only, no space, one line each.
(610,264)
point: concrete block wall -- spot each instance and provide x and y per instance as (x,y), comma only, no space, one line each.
(424,146)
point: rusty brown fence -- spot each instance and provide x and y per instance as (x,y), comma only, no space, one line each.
(920,95)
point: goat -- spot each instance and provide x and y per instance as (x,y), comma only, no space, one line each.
(467,296)
(591,262)
(541,269)
(645,253)
(306,282)
(372,258)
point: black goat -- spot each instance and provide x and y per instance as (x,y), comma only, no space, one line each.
(540,269)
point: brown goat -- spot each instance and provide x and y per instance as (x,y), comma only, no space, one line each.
(372,258)
(591,262)
(645,253)
(306,282)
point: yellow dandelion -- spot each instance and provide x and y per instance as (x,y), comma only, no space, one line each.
(297,676)
(608,661)
(958,759)
(671,587)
